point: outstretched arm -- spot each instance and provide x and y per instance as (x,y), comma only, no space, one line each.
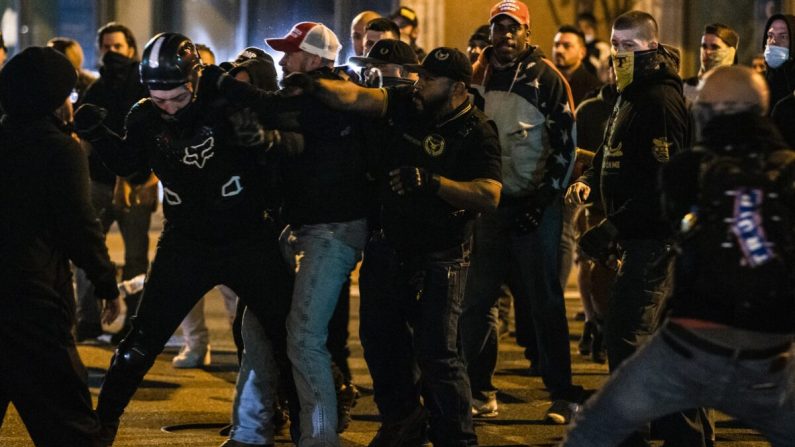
(348,96)
(479,195)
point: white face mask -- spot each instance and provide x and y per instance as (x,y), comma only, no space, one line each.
(776,56)
(719,57)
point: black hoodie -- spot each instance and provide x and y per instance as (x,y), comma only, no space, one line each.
(118,88)
(712,279)
(649,125)
(781,80)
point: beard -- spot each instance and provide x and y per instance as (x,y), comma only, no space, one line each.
(431,107)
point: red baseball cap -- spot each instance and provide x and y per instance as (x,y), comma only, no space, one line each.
(513,9)
(314,38)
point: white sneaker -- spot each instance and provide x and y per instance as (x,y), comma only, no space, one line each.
(485,408)
(192,358)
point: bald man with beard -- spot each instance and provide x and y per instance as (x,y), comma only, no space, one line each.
(727,342)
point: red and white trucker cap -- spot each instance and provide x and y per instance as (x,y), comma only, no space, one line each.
(314,38)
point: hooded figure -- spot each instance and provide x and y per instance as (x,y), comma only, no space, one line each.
(778,54)
(47,222)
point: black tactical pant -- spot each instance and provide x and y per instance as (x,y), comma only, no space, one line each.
(41,372)
(182,272)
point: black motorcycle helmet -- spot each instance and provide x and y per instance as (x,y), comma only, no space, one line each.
(169,60)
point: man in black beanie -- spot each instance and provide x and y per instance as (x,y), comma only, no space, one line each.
(47,221)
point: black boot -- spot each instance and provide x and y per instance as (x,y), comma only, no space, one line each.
(584,345)
(598,351)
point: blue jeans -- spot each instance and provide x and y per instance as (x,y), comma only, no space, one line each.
(255,390)
(409,316)
(322,257)
(661,379)
(529,264)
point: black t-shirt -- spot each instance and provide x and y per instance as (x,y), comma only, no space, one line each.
(463,146)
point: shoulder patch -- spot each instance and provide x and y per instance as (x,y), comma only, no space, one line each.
(661,149)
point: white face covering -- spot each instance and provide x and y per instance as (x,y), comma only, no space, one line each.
(717,58)
(776,56)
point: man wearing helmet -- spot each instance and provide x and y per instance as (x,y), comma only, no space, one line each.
(215,230)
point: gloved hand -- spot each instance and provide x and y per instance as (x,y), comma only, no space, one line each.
(412,179)
(209,86)
(89,120)
(291,143)
(248,132)
(599,244)
(528,219)
(299,83)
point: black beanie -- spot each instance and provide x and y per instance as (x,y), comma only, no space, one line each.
(261,71)
(35,82)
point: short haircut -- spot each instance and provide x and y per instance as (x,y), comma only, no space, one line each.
(382,24)
(61,44)
(114,27)
(725,33)
(571,29)
(643,23)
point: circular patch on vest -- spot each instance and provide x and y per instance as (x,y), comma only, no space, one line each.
(434,145)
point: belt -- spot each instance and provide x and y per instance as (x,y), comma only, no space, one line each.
(723,351)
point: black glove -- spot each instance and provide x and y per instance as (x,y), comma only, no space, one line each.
(528,219)
(291,143)
(599,244)
(411,179)
(248,132)
(89,120)
(301,82)
(210,81)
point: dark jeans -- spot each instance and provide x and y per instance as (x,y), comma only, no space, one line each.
(41,372)
(134,225)
(409,331)
(641,284)
(529,264)
(182,272)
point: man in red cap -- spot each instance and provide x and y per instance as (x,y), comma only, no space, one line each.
(436,161)
(325,208)
(531,104)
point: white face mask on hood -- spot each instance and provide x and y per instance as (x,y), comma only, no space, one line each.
(776,56)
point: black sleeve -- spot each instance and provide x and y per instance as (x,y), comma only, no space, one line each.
(79,230)
(592,175)
(486,160)
(784,116)
(399,102)
(679,185)
(126,156)
(274,109)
